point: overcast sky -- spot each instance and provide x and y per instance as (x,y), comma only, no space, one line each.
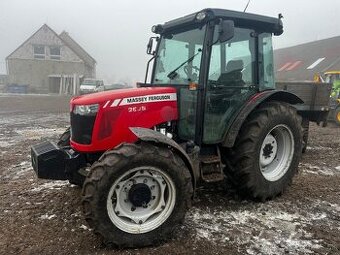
(115,33)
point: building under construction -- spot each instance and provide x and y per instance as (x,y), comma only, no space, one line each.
(49,63)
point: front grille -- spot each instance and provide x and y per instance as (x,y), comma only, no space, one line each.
(81,128)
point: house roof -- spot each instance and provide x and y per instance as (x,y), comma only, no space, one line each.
(302,61)
(68,41)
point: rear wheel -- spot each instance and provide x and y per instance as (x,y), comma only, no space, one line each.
(135,195)
(267,152)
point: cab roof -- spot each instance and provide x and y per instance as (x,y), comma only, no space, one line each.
(241,19)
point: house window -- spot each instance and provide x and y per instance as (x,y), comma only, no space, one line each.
(39,51)
(55,52)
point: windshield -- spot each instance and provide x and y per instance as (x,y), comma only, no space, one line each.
(179,57)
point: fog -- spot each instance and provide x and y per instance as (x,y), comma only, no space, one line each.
(115,33)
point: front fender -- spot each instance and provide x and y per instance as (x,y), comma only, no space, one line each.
(149,135)
(265,96)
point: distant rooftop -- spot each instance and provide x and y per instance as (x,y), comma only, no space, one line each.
(302,61)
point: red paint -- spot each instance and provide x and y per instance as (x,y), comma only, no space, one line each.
(112,123)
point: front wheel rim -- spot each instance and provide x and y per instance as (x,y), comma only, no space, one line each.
(141,200)
(276,153)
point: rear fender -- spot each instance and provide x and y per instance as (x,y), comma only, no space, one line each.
(265,96)
(151,136)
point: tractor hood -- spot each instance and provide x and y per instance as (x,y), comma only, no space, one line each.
(106,120)
(126,96)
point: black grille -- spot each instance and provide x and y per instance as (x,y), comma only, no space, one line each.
(81,128)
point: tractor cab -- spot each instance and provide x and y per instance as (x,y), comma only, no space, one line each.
(217,60)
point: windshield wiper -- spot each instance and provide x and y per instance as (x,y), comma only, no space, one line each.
(173,73)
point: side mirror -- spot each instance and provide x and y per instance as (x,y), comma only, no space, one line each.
(226,30)
(150,47)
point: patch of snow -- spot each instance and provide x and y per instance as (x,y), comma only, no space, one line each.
(337,168)
(14,172)
(47,217)
(37,133)
(4,144)
(85,227)
(317,148)
(51,185)
(263,230)
(312,169)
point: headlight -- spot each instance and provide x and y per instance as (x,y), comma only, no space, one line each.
(90,110)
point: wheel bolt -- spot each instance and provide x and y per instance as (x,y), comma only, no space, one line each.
(142,171)
(153,197)
(125,200)
(117,187)
(152,187)
(140,222)
(133,208)
(163,182)
(162,206)
(117,212)
(145,181)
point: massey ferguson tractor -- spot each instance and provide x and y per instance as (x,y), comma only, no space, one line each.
(210,112)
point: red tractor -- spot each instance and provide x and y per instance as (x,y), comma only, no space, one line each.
(210,112)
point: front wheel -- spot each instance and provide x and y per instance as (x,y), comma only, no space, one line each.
(135,195)
(267,151)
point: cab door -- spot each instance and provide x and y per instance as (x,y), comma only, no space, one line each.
(232,79)
(178,64)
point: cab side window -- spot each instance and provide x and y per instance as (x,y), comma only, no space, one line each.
(234,59)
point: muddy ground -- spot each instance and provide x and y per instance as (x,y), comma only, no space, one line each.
(43,217)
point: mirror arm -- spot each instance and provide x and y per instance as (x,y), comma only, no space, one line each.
(147,67)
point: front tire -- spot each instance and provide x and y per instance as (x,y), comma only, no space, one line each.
(136,194)
(267,151)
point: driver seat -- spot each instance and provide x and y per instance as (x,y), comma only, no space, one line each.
(233,74)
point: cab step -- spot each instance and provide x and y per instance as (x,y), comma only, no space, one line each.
(211,168)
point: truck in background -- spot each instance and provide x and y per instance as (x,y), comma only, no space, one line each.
(91,86)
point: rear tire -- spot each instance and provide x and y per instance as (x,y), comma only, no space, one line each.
(267,151)
(74,177)
(136,194)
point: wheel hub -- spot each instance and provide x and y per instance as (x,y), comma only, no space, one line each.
(141,199)
(276,153)
(140,195)
(268,150)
